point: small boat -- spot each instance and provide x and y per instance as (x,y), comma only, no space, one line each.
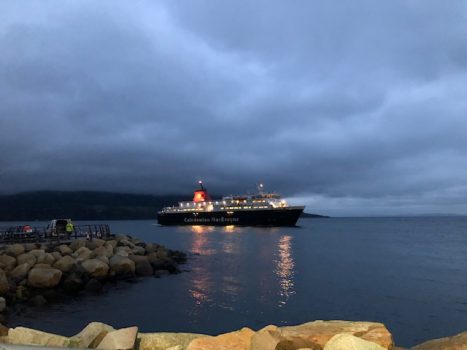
(260,209)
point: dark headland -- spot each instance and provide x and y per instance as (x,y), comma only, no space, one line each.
(87,205)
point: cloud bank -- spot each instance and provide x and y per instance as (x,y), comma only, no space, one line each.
(352,108)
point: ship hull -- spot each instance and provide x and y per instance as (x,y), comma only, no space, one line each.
(268,217)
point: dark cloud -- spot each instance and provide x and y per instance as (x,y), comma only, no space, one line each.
(354,108)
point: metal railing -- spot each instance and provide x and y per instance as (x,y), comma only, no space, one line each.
(17,234)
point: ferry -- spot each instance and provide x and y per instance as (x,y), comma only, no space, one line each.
(260,209)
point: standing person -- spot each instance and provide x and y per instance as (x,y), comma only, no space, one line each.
(69,229)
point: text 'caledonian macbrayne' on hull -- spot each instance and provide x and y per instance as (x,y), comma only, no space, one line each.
(261,209)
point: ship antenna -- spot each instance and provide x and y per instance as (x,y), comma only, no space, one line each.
(201,184)
(260,188)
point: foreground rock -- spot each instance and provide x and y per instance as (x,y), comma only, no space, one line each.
(163,341)
(238,340)
(27,336)
(91,335)
(317,335)
(457,342)
(122,339)
(319,332)
(345,341)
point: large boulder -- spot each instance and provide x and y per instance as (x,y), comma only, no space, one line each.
(27,336)
(15,249)
(77,243)
(73,283)
(65,263)
(105,250)
(456,342)
(239,340)
(38,253)
(91,335)
(26,258)
(95,243)
(29,246)
(347,341)
(83,253)
(320,332)
(142,265)
(137,250)
(46,258)
(7,262)
(152,247)
(64,249)
(119,237)
(113,243)
(43,277)
(158,263)
(163,341)
(122,251)
(126,242)
(2,308)
(95,267)
(121,339)
(56,255)
(122,266)
(4,284)
(270,338)
(20,272)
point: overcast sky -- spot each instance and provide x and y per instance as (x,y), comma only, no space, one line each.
(350,107)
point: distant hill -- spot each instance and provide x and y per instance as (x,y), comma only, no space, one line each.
(46,205)
(308,215)
(86,205)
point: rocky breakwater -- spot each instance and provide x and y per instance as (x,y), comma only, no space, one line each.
(38,273)
(316,335)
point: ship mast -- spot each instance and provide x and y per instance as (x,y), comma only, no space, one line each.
(260,188)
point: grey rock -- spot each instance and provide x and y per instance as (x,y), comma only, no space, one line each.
(105,250)
(65,263)
(44,277)
(77,243)
(122,266)
(95,243)
(64,249)
(27,258)
(93,286)
(122,251)
(20,272)
(95,267)
(73,283)
(142,265)
(137,250)
(4,284)
(2,304)
(38,300)
(15,249)
(8,262)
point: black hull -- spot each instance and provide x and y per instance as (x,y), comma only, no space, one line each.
(268,217)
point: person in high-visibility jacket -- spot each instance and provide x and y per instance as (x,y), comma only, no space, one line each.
(69,228)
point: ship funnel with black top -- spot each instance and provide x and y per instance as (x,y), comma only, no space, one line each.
(201,195)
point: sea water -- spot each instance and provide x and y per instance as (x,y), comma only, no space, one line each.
(408,273)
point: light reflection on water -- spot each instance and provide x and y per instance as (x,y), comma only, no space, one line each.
(285,269)
(208,289)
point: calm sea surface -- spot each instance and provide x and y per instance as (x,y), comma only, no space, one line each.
(409,273)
